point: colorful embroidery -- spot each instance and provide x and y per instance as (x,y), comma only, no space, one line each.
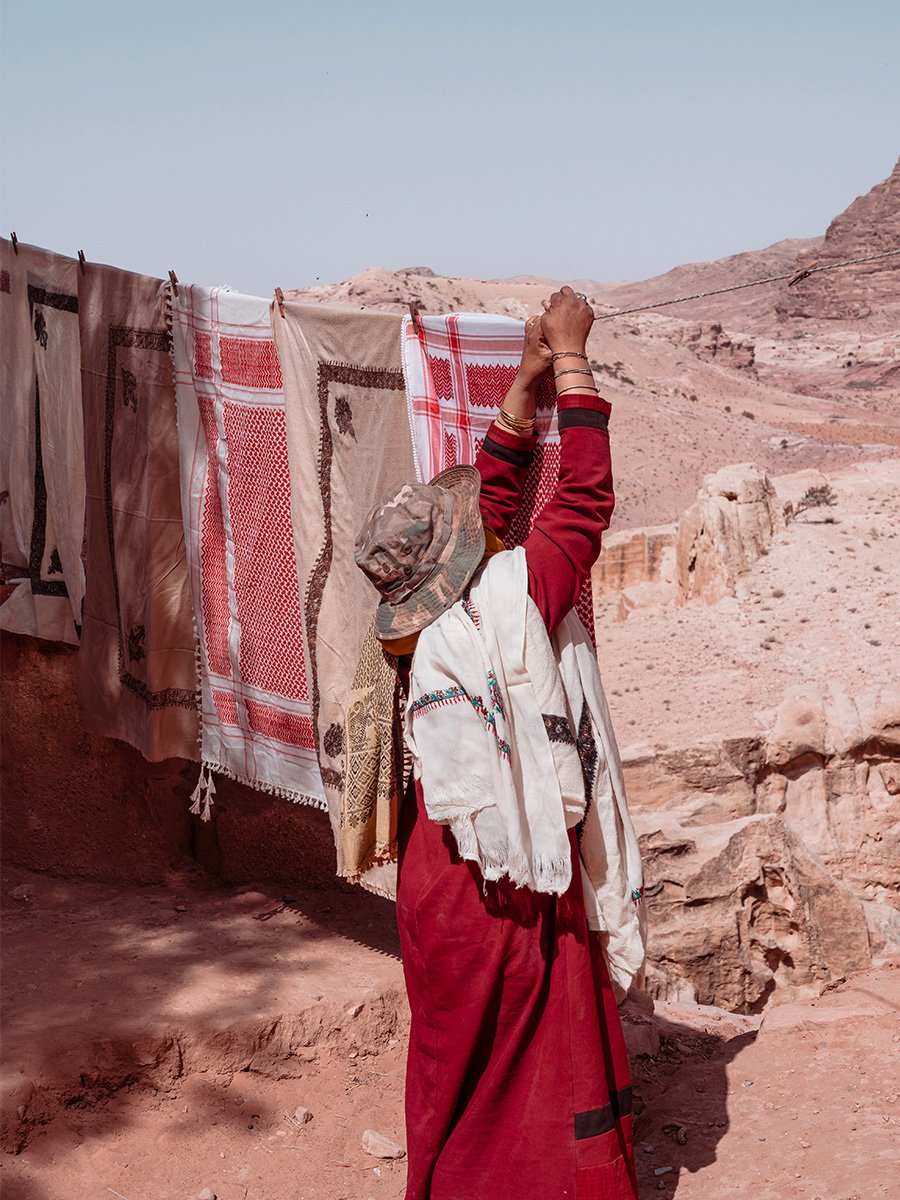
(469,608)
(495,694)
(437,699)
(452,695)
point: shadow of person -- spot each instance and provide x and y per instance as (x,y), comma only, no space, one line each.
(681,1100)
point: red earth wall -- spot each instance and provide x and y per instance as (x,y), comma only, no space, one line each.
(87,807)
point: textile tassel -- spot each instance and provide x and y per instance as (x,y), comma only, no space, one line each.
(201,797)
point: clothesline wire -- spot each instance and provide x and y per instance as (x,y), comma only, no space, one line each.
(736,287)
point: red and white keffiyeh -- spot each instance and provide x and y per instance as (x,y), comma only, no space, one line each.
(458,369)
(235,489)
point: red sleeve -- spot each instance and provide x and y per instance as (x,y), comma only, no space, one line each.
(503,462)
(565,541)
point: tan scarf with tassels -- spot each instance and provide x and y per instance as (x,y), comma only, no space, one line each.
(374,750)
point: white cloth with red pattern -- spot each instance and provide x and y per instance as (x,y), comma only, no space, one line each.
(458,369)
(235,488)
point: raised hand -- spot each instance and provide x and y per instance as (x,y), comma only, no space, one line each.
(567,321)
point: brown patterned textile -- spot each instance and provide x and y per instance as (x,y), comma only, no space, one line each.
(373,762)
(349,446)
(41,448)
(137,671)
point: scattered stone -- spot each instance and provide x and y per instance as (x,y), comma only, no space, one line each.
(181,908)
(302,1115)
(22,892)
(380,1146)
(354,1010)
(662,1170)
(206,1194)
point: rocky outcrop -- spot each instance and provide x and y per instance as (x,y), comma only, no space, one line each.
(741,909)
(710,343)
(773,862)
(638,567)
(870,225)
(732,522)
(636,556)
(832,773)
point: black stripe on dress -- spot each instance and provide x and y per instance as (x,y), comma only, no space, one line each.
(516,458)
(570,417)
(601,1120)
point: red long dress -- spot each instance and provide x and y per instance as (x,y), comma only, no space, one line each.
(517,1085)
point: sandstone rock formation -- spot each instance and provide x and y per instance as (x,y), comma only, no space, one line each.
(639,566)
(710,343)
(720,536)
(742,908)
(869,225)
(773,862)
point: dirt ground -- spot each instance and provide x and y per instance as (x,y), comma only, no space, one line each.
(159,1042)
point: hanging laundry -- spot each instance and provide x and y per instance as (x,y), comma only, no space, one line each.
(458,369)
(137,670)
(41,444)
(349,447)
(256,714)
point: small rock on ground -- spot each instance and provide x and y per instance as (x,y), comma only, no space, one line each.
(381,1146)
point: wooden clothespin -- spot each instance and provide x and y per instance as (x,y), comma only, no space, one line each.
(803,273)
(173,279)
(414,313)
(15,242)
(279,300)
(81,260)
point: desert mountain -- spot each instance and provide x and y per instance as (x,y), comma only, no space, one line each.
(869,292)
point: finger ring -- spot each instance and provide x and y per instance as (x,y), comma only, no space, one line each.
(581,296)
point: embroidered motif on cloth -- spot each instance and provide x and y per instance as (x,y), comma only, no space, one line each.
(256,716)
(559,730)
(440,697)
(458,369)
(348,448)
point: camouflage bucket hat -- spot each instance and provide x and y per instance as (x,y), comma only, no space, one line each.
(421,548)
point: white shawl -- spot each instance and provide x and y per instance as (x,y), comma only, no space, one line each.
(511,737)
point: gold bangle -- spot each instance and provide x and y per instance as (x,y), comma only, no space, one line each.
(524,426)
(567,354)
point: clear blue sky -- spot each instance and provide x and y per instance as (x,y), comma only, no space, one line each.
(279,141)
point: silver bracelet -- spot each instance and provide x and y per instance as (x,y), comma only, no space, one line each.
(573,371)
(579,388)
(567,354)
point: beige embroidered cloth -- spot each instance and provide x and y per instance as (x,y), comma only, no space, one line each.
(373,762)
(349,445)
(137,671)
(41,444)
